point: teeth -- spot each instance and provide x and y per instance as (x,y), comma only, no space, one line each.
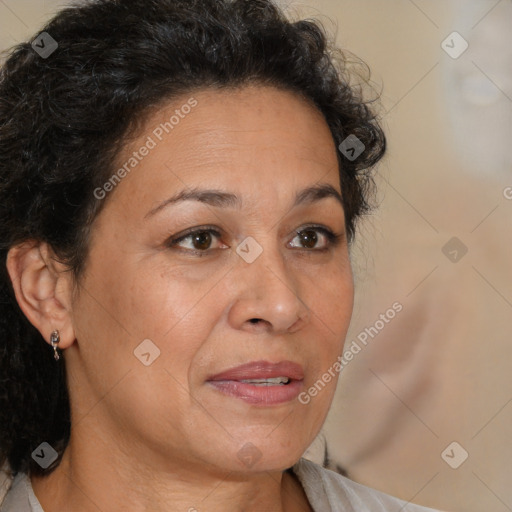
(268,382)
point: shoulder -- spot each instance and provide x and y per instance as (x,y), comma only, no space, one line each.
(15,495)
(6,480)
(330,491)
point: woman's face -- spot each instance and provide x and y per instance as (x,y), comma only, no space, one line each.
(197,298)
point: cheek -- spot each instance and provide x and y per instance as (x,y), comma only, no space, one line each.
(121,306)
(119,310)
(329,294)
(331,304)
(143,299)
(169,306)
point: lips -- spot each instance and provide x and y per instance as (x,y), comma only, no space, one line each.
(261,383)
(258,370)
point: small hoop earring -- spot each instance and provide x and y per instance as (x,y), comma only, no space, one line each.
(54,340)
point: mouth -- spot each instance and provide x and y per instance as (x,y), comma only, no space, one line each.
(261,383)
(276,381)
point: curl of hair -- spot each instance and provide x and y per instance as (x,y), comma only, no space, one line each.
(64,120)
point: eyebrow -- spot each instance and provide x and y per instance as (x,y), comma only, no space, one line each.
(222,199)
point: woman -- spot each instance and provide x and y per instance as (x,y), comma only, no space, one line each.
(176,283)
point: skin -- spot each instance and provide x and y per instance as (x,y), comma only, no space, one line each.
(159,437)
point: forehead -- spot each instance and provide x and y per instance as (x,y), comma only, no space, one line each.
(245,118)
(256,135)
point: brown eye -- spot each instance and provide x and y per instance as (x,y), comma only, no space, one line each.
(309,238)
(202,240)
(198,241)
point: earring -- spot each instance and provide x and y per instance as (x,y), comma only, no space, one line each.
(54,340)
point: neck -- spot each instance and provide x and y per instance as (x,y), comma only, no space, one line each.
(92,478)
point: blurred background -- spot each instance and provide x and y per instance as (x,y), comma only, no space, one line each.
(423,409)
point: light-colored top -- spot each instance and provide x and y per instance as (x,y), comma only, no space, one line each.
(326,490)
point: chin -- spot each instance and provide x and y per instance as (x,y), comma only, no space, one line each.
(263,455)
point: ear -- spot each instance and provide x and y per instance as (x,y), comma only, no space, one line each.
(43,289)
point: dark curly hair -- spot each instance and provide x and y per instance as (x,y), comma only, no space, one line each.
(64,118)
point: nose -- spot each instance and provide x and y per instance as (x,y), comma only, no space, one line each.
(268,296)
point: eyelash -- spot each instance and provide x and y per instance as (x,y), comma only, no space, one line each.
(333,240)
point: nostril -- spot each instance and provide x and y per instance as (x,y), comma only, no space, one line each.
(255,320)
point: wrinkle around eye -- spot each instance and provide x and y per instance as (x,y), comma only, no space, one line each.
(331,240)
